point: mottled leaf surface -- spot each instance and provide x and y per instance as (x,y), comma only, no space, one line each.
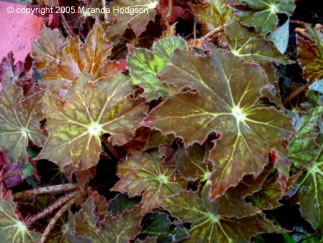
(213,14)
(228,91)
(75,127)
(207,224)
(144,66)
(112,230)
(11,228)
(306,151)
(310,54)
(143,174)
(76,58)
(19,120)
(47,51)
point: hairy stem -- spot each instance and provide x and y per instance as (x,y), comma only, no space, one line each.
(213,32)
(53,221)
(52,207)
(296,93)
(48,189)
(170,8)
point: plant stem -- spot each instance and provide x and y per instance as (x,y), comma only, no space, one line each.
(48,189)
(52,207)
(213,32)
(109,146)
(53,221)
(297,92)
(170,8)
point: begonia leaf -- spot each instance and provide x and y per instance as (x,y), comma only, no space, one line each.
(262,14)
(143,174)
(248,131)
(144,66)
(271,193)
(113,229)
(47,51)
(158,224)
(157,138)
(247,44)
(76,58)
(11,228)
(136,14)
(19,120)
(91,111)
(122,203)
(207,224)
(213,14)
(310,54)
(306,151)
(192,163)
(280,37)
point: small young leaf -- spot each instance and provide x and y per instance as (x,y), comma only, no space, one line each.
(142,174)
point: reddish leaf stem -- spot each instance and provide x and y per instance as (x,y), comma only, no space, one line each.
(48,189)
(296,93)
(109,146)
(52,207)
(170,8)
(53,220)
(213,32)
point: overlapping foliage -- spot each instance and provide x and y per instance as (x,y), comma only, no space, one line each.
(183,139)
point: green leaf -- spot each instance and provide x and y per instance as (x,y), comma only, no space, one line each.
(11,228)
(122,203)
(262,14)
(142,174)
(280,37)
(226,103)
(207,224)
(19,120)
(247,44)
(144,66)
(158,224)
(91,110)
(306,151)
